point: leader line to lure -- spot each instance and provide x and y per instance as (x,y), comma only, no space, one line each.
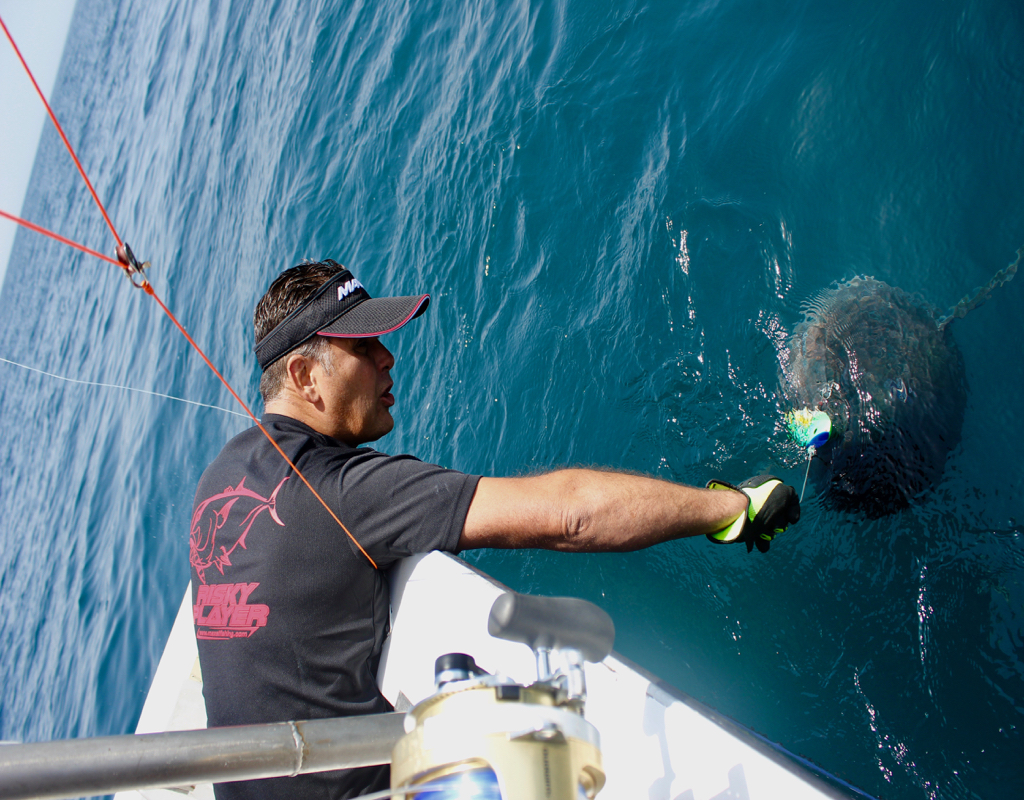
(810,456)
(809,429)
(135,272)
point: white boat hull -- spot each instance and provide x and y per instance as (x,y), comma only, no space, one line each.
(656,742)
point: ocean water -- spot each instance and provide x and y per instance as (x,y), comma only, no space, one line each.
(618,209)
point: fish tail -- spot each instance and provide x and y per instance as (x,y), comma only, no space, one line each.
(969,303)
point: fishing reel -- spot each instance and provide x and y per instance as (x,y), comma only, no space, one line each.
(486,737)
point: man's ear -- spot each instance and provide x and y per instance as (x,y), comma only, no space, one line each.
(299,378)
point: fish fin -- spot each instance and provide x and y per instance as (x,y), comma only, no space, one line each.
(223,513)
(968,303)
(272,503)
(819,306)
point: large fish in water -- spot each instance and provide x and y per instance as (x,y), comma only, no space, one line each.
(883,366)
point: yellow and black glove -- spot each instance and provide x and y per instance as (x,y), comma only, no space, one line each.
(771,507)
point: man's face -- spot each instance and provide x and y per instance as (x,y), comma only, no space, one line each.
(357,394)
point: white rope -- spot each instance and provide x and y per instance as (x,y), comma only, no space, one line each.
(810,455)
(125,388)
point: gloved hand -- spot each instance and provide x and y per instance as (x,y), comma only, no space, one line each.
(771,507)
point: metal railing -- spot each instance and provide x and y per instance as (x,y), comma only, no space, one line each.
(108,764)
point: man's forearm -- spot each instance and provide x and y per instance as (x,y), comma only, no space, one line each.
(589,510)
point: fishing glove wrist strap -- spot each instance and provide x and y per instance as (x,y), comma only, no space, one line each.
(733,532)
(771,507)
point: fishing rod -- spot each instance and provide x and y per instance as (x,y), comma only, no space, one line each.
(479,735)
(107,764)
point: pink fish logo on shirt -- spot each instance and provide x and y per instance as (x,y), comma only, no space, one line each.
(210,545)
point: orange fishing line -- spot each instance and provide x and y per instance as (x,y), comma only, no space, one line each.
(147,287)
(60,130)
(40,229)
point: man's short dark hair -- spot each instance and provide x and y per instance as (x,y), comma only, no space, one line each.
(289,291)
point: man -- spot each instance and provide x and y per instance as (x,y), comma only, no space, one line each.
(289,597)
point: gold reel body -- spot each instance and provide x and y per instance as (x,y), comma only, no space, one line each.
(536,747)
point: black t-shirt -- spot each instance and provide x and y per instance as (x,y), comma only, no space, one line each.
(290,617)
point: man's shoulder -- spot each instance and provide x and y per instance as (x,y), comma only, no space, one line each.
(292,436)
(254,451)
(316,455)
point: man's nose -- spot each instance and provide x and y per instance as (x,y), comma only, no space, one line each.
(385,360)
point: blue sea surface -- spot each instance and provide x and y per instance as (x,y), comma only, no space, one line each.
(619,209)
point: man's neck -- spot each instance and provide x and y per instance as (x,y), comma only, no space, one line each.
(303,412)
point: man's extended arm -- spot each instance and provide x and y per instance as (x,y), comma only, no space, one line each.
(589,510)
